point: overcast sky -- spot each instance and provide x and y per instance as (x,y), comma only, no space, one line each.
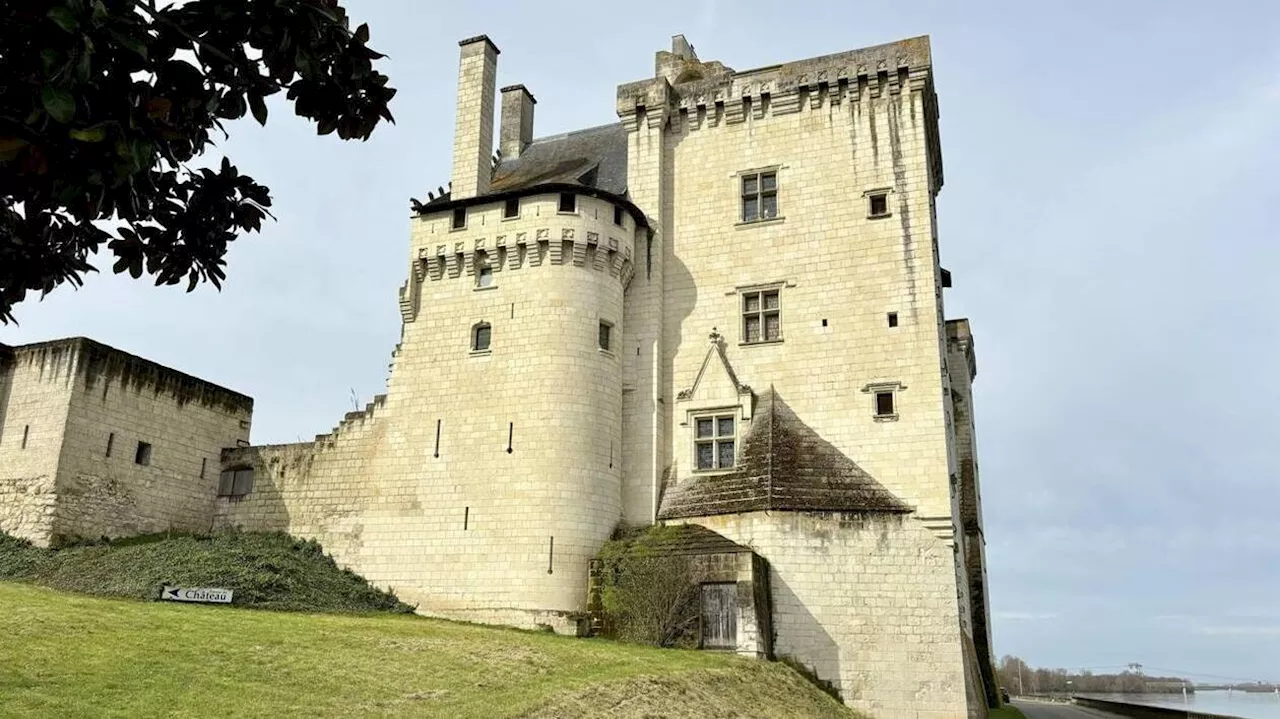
(1109,216)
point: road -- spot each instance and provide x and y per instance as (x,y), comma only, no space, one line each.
(1046,710)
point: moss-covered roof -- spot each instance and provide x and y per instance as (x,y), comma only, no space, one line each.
(785,465)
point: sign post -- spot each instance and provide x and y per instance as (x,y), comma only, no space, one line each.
(196,594)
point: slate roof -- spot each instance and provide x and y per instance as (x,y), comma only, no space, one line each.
(785,466)
(593,158)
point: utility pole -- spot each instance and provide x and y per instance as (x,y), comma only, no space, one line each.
(1020,693)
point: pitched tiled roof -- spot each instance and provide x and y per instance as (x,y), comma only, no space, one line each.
(785,465)
(593,158)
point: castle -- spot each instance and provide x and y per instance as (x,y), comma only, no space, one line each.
(724,311)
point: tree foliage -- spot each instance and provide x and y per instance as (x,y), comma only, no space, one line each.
(1018,677)
(648,596)
(104,104)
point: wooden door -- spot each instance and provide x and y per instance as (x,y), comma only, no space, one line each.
(720,616)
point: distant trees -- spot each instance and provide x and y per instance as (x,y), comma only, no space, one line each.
(1018,677)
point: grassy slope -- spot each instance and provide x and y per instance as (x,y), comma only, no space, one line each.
(264,570)
(67,656)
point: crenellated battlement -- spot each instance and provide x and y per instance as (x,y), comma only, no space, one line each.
(532,248)
(707,94)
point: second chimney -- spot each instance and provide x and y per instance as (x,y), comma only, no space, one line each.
(473,127)
(517,120)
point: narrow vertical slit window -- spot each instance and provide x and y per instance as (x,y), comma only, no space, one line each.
(617,216)
(466,518)
(437,452)
(111,440)
(26,431)
(511,432)
(204,466)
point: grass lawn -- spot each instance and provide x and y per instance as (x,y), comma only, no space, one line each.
(67,655)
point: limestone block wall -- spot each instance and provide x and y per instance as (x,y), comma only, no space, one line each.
(36,383)
(484,482)
(120,401)
(840,272)
(867,602)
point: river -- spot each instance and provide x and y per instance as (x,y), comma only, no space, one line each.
(1235,703)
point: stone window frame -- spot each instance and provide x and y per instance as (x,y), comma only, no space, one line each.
(453,219)
(235,483)
(606,338)
(506,204)
(876,389)
(763,291)
(474,338)
(142,455)
(560,203)
(881,192)
(715,415)
(758,193)
(481,263)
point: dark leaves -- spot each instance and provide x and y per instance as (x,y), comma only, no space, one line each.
(59,103)
(103,111)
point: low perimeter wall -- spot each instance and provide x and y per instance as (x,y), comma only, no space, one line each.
(1144,711)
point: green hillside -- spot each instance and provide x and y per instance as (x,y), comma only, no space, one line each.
(264,570)
(67,655)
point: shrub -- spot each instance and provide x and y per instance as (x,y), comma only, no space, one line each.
(647,596)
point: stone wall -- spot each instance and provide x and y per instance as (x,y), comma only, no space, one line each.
(107,486)
(483,483)
(839,271)
(865,601)
(36,384)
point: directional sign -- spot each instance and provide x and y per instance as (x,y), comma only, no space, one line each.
(196,594)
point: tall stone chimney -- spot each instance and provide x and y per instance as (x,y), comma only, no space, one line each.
(473,127)
(516,130)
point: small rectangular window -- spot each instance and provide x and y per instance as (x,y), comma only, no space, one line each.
(568,202)
(480,337)
(761,316)
(511,208)
(235,482)
(714,442)
(459,218)
(893,319)
(606,330)
(617,216)
(884,404)
(111,440)
(143,454)
(878,204)
(759,196)
(484,278)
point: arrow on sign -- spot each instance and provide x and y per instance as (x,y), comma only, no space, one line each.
(171,593)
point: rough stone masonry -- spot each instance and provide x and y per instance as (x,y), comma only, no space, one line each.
(724,310)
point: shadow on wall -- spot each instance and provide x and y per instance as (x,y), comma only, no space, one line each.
(801,642)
